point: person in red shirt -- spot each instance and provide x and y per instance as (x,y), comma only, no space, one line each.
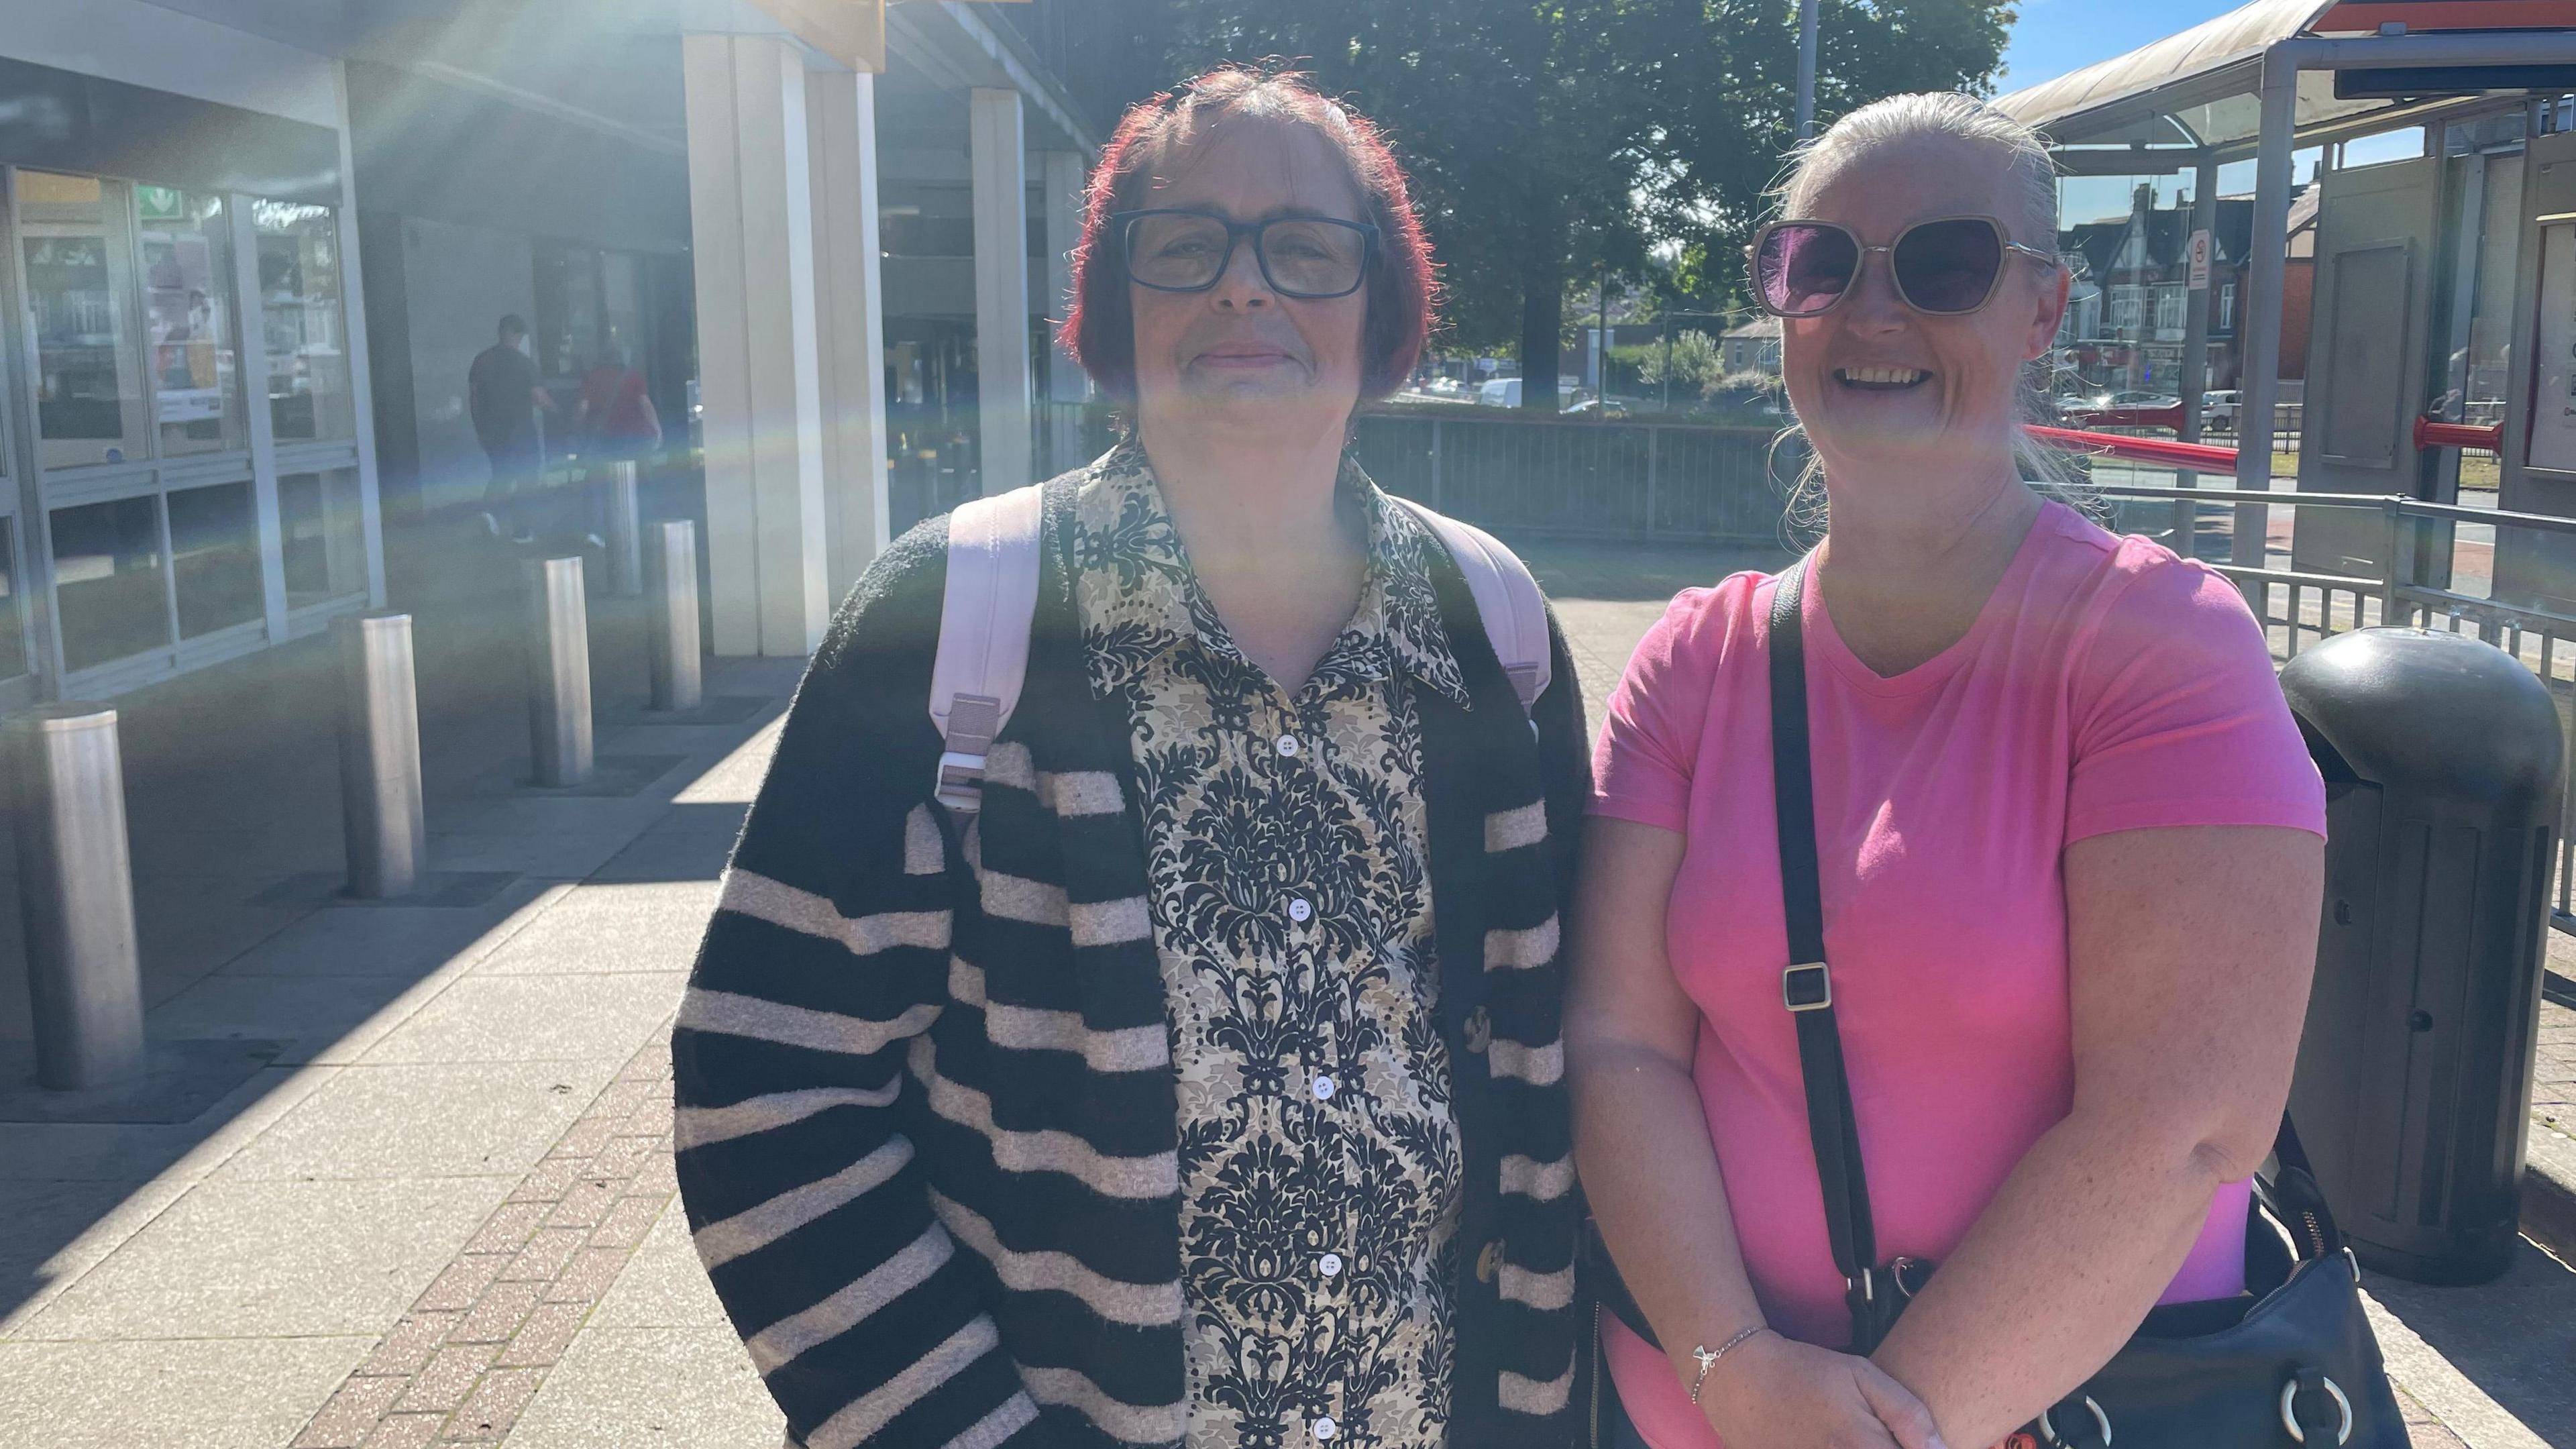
(615,419)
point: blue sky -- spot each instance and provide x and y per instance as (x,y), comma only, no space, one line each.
(2053,37)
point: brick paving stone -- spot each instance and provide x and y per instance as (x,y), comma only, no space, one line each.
(619,1098)
(589,1276)
(586,1137)
(344,1421)
(406,1431)
(653,1119)
(450,1375)
(407,1349)
(548,1180)
(496,1405)
(586,1203)
(545,1255)
(471,1353)
(625,1156)
(659,1178)
(544,1337)
(627,1222)
(497,1316)
(2423,1431)
(506,1231)
(462,1281)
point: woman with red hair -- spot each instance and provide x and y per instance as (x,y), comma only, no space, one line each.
(1208,1090)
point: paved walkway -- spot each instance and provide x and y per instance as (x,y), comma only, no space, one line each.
(435,1204)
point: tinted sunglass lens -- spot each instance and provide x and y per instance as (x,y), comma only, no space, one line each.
(1800,269)
(1949,266)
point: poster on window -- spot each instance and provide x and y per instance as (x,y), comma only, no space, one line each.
(2553,403)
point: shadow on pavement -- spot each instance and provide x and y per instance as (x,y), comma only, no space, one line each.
(253,969)
(2514,1338)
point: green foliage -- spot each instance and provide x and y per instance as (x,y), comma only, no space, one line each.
(1696,361)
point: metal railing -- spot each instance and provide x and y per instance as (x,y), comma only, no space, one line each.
(1597,479)
(2300,607)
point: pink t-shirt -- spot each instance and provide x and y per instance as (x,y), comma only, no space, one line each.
(2106,686)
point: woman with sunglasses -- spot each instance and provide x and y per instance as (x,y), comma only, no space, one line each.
(2069,853)
(1208,1091)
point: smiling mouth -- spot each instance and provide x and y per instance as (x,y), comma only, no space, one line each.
(1880,379)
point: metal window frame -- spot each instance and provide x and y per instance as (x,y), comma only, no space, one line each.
(44,490)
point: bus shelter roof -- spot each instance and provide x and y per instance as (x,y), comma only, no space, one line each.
(2192,94)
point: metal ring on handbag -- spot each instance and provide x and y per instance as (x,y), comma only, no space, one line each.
(2101,1421)
(2290,1413)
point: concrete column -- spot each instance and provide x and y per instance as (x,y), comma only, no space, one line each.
(850,302)
(1061,184)
(751,215)
(1001,289)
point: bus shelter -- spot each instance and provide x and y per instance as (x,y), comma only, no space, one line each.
(2427,302)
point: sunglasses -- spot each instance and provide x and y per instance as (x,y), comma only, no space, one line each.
(1943,268)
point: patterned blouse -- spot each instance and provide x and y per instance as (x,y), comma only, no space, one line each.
(1291,894)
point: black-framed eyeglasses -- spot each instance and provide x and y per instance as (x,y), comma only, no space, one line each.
(1943,268)
(1310,258)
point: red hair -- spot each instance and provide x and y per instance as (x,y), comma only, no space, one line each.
(1403,286)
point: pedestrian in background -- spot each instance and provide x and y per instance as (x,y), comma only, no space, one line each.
(615,420)
(503,398)
(2069,851)
(1208,1091)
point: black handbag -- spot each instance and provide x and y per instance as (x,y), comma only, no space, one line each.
(2291,1361)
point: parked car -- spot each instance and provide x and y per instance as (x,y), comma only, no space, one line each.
(1593,407)
(2218,409)
(1502,392)
(2143,401)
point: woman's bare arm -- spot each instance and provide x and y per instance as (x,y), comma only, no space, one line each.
(2189,953)
(1642,1143)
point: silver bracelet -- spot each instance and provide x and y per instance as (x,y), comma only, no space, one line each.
(1707,1357)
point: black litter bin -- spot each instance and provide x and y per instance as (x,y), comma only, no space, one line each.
(2443,769)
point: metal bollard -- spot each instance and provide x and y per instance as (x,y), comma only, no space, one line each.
(76,883)
(674,617)
(558,672)
(380,794)
(625,532)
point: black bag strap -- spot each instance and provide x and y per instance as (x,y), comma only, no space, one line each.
(1806,987)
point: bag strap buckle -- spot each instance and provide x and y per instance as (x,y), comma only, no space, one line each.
(1807,987)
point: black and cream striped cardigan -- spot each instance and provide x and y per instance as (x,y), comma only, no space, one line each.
(869,1083)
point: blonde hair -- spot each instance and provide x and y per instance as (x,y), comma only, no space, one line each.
(1962,118)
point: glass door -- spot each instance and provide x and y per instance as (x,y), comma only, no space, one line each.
(77,245)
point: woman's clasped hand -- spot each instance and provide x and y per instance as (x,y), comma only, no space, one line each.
(1778,1393)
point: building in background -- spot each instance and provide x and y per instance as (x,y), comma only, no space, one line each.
(1751,347)
(253,247)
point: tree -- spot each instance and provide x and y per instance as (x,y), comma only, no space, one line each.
(1550,139)
(1725,138)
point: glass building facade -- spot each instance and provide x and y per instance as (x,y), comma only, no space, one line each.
(180,479)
